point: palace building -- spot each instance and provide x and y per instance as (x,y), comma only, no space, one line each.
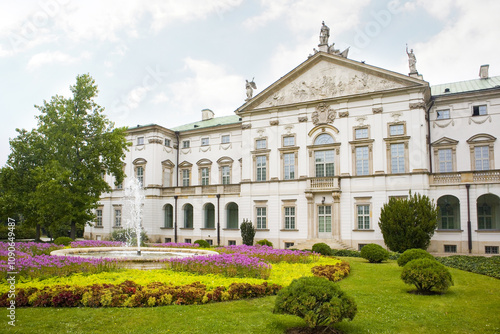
(315,156)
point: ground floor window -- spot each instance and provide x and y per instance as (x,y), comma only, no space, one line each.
(491,249)
(450,248)
(261,218)
(324,218)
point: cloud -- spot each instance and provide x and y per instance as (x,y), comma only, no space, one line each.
(160,98)
(48,57)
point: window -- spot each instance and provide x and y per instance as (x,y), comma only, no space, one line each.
(450,248)
(289,166)
(167,142)
(443,114)
(139,174)
(188,241)
(449,213)
(98,217)
(482,157)
(289,141)
(362,160)
(167,240)
(324,162)
(484,217)
(232,215)
(361,246)
(210,241)
(140,140)
(445,160)
(324,218)
(205,176)
(185,177)
(204,141)
(188,216)
(289,245)
(261,218)
(225,139)
(185,144)
(491,249)
(209,215)
(488,212)
(397,129)
(363,216)
(324,139)
(361,133)
(397,158)
(169,216)
(261,162)
(479,110)
(231,242)
(261,144)
(290,218)
(118,217)
(226,175)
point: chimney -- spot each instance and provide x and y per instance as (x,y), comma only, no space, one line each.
(483,71)
(207,114)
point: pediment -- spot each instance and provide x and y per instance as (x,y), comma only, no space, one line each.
(185,164)
(445,141)
(481,138)
(326,76)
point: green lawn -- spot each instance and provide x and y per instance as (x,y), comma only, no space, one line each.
(384,306)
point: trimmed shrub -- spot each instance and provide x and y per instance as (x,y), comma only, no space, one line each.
(427,274)
(202,243)
(318,301)
(374,253)
(265,242)
(345,252)
(247,232)
(332,273)
(63,241)
(413,254)
(322,248)
(489,266)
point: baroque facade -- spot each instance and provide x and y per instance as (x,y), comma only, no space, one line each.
(313,158)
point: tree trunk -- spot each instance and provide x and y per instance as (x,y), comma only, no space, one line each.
(38,233)
(73,231)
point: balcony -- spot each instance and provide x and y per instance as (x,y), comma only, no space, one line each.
(202,190)
(323,184)
(487,176)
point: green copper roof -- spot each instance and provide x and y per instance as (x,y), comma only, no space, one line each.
(466,86)
(224,120)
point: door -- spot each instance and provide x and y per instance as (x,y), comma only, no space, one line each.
(324,221)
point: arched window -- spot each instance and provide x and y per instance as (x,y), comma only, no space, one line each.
(169,216)
(209,215)
(449,213)
(232,215)
(324,139)
(488,212)
(188,216)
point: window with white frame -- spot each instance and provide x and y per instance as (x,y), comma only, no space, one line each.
(205,176)
(449,213)
(289,166)
(185,144)
(482,150)
(261,217)
(397,158)
(491,249)
(289,245)
(98,217)
(396,129)
(362,160)
(205,141)
(479,110)
(140,140)
(324,163)
(167,142)
(324,218)
(363,216)
(185,177)
(289,218)
(443,114)
(361,133)
(118,217)
(482,157)
(445,157)
(288,141)
(225,139)
(261,166)
(324,139)
(139,174)
(450,248)
(261,144)
(231,242)
(226,174)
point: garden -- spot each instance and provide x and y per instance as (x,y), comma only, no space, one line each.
(253,289)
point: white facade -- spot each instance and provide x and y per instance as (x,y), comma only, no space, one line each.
(316,155)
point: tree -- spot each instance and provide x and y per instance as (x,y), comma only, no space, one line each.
(247,232)
(408,223)
(56,171)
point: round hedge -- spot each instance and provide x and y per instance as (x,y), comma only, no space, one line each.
(374,253)
(317,300)
(413,254)
(63,241)
(322,249)
(265,242)
(427,274)
(202,243)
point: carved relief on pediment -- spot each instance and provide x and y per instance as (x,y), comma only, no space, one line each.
(324,114)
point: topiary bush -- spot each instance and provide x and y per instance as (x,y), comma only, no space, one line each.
(318,301)
(413,254)
(322,248)
(345,252)
(202,243)
(265,242)
(374,253)
(427,274)
(63,241)
(247,232)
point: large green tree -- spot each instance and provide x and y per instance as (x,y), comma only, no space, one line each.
(408,223)
(54,174)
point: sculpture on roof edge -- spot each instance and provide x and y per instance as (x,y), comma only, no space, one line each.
(324,33)
(412,60)
(250,86)
(323,43)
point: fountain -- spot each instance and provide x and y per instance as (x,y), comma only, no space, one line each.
(133,257)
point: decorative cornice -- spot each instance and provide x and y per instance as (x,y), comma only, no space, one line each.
(302,119)
(343,114)
(155,141)
(246,126)
(417,105)
(274,122)
(377,110)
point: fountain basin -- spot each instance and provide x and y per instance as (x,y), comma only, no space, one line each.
(149,258)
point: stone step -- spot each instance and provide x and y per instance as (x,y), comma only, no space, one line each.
(333,243)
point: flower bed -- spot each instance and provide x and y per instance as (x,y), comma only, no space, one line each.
(175,245)
(96,243)
(30,248)
(270,254)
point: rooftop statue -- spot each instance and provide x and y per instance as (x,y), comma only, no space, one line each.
(412,60)
(324,34)
(250,86)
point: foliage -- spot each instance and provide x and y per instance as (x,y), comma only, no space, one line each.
(247,232)
(31,248)
(318,301)
(60,163)
(322,249)
(427,274)
(408,223)
(128,236)
(334,272)
(271,255)
(489,266)
(374,253)
(345,252)
(130,294)
(413,254)
(202,243)
(22,232)
(265,242)
(65,241)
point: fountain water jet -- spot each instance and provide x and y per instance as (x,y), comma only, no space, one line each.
(134,200)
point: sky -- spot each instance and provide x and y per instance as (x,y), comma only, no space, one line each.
(163,61)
